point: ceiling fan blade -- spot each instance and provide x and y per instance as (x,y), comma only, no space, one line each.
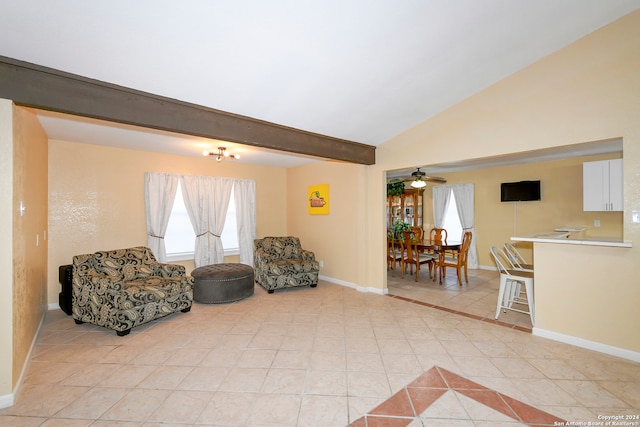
(435,179)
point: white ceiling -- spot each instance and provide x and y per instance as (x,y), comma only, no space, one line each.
(362,70)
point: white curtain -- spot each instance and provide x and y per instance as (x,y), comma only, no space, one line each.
(159,194)
(219,196)
(195,195)
(207,201)
(464,196)
(244,193)
(441,196)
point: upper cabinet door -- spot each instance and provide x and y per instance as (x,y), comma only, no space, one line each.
(594,180)
(616,185)
(602,188)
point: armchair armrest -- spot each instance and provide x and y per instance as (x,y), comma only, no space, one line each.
(101,284)
(307,255)
(262,257)
(169,270)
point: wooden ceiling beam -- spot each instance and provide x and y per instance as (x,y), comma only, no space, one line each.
(50,89)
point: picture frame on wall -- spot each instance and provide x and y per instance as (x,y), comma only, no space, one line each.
(318,199)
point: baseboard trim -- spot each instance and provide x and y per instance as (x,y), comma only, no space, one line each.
(53,306)
(590,345)
(354,286)
(7,400)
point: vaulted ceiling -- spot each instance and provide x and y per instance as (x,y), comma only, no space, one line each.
(358,70)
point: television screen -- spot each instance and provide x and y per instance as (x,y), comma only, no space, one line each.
(522,191)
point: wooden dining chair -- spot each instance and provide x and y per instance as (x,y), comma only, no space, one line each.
(418,232)
(438,236)
(394,253)
(413,257)
(458,259)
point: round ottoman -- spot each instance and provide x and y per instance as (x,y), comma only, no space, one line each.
(220,283)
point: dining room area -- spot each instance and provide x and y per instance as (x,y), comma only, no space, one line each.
(438,266)
(471,198)
(433,271)
(476,299)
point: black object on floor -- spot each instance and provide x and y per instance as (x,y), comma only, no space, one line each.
(65,276)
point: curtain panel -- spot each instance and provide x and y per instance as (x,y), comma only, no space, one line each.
(194,192)
(244,193)
(464,197)
(159,194)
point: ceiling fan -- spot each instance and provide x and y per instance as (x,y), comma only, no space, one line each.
(419,179)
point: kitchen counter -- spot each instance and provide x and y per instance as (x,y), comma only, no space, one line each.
(564,238)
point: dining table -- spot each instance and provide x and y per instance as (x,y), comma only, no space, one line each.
(439,248)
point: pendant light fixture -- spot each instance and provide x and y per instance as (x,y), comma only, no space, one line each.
(220,154)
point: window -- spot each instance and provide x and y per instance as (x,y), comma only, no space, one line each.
(229,234)
(452,221)
(180,238)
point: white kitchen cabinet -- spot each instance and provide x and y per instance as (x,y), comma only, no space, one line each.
(602,187)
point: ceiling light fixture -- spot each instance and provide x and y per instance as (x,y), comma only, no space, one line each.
(220,154)
(418,182)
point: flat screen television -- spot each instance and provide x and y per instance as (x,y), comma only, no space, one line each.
(522,191)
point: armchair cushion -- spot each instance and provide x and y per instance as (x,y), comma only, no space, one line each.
(274,248)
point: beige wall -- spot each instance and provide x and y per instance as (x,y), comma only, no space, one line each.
(96,198)
(585,92)
(335,238)
(560,204)
(29,233)
(6,251)
(23,251)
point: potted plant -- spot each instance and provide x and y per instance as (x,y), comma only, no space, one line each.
(395,188)
(399,226)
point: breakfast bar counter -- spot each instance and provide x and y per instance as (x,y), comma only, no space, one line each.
(564,238)
(586,291)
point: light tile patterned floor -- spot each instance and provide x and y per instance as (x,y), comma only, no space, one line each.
(476,299)
(308,357)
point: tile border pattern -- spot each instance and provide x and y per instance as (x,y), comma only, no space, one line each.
(412,400)
(462,313)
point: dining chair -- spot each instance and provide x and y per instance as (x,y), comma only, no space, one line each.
(438,235)
(509,291)
(515,258)
(458,259)
(394,252)
(412,256)
(418,232)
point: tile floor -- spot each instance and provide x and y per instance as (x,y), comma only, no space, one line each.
(329,356)
(476,299)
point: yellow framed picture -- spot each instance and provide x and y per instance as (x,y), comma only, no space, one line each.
(318,199)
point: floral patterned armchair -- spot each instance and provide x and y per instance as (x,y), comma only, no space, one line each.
(123,288)
(280,262)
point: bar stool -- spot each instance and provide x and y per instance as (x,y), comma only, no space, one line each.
(517,261)
(509,291)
